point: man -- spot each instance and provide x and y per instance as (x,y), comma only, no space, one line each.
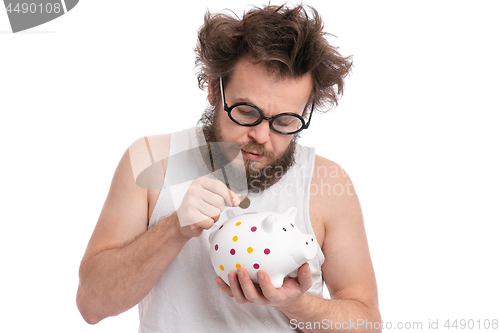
(265,74)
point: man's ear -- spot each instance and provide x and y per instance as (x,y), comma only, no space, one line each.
(212,89)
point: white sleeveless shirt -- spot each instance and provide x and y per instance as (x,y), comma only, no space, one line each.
(186,297)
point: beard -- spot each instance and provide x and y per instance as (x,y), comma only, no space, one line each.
(256,179)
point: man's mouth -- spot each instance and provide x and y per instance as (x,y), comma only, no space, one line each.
(253,155)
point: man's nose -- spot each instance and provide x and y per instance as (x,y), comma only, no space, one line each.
(260,133)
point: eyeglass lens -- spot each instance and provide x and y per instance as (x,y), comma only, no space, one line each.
(245,114)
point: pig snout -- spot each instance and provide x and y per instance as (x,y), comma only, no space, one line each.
(307,249)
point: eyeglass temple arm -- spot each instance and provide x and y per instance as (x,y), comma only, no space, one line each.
(310,116)
(222,93)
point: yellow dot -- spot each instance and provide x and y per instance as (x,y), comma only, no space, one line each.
(235,238)
(238,266)
(221,267)
(238,223)
(249,250)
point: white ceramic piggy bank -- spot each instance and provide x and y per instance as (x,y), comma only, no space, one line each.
(267,240)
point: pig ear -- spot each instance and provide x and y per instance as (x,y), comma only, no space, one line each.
(290,214)
(269,223)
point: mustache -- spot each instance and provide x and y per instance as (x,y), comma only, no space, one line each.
(254,146)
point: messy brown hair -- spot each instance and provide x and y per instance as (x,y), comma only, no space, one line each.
(289,41)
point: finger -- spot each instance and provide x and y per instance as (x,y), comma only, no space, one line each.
(249,290)
(304,277)
(223,287)
(193,214)
(236,288)
(235,199)
(208,210)
(205,224)
(197,193)
(213,199)
(218,187)
(268,289)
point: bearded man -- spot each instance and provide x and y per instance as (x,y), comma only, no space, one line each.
(266,74)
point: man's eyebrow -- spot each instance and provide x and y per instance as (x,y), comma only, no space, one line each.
(248,100)
(244,99)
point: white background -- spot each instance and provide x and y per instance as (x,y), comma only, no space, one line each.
(417,131)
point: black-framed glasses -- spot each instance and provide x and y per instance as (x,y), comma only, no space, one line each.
(247,114)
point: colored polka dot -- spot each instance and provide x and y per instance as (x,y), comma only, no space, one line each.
(238,223)
(267,251)
(216,247)
(235,238)
(249,250)
(221,267)
(232,251)
(254,229)
(221,226)
(256,266)
(238,266)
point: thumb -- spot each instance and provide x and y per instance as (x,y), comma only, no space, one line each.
(304,277)
(234,198)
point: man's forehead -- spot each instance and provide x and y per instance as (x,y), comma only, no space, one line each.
(255,84)
(248,67)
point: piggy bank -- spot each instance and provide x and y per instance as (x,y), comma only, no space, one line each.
(266,240)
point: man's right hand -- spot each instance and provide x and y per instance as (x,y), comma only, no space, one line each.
(202,205)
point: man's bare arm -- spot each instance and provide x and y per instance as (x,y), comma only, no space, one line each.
(348,270)
(124,259)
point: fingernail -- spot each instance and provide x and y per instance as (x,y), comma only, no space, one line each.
(231,279)
(240,274)
(260,276)
(306,271)
(235,202)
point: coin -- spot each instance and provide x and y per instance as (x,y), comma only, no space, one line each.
(245,203)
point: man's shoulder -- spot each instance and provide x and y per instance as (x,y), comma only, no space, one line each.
(330,183)
(157,145)
(147,150)
(326,170)
(148,140)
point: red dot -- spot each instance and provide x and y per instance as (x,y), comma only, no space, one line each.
(256,266)
(216,247)
(254,229)
(267,251)
(221,226)
(233,252)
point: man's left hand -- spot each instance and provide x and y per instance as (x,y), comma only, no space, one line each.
(244,291)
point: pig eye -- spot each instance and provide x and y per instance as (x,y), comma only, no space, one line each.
(284,229)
